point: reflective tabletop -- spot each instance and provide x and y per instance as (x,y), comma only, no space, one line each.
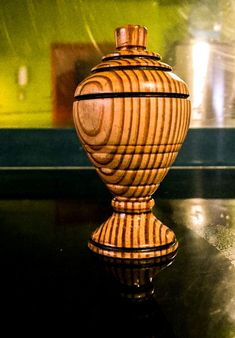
(48,271)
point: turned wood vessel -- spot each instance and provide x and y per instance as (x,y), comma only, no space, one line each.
(132,116)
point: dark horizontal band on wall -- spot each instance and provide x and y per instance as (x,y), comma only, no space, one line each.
(61,148)
(129,94)
(76,183)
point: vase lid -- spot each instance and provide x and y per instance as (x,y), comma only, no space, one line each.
(131,69)
(131,41)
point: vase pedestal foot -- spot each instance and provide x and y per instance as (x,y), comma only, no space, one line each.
(133,232)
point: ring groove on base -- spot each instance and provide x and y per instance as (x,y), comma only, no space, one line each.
(126,249)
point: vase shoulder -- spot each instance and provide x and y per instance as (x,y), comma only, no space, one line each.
(124,80)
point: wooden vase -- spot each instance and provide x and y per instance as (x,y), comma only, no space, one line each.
(132,116)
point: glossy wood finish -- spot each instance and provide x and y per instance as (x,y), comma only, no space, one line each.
(131,36)
(133,232)
(132,116)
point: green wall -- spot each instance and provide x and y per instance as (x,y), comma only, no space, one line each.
(28,27)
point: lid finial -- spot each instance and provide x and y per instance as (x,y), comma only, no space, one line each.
(131,36)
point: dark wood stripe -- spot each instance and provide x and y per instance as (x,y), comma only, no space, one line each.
(129,94)
(133,230)
(135,114)
(131,213)
(117,57)
(169,128)
(115,235)
(100,232)
(175,113)
(162,119)
(159,235)
(128,67)
(132,119)
(146,229)
(146,122)
(166,234)
(177,124)
(174,116)
(116,152)
(186,122)
(124,235)
(123,249)
(111,230)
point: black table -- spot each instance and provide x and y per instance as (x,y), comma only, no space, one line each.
(49,273)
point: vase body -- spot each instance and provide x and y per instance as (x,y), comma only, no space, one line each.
(132,116)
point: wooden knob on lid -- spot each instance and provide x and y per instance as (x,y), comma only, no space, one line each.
(131,36)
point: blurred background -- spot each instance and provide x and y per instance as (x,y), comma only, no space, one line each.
(48,46)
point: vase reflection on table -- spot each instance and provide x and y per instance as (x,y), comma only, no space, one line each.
(128,291)
(132,116)
(134,278)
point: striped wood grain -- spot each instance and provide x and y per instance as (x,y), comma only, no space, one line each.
(132,116)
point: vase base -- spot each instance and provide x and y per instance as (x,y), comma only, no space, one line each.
(133,253)
(133,236)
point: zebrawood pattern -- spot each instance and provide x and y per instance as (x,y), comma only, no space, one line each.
(132,116)
(133,236)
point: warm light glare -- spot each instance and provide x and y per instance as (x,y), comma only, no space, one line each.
(218,95)
(22,76)
(200,59)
